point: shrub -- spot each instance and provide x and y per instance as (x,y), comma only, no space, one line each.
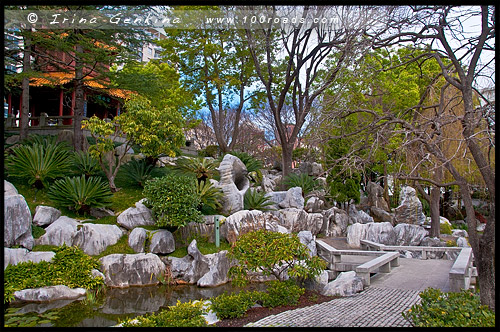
(139,171)
(306,182)
(70,266)
(272,253)
(234,305)
(209,195)
(202,168)
(254,200)
(44,140)
(210,151)
(84,164)
(173,200)
(80,193)
(186,314)
(438,309)
(38,163)
(282,293)
(445,228)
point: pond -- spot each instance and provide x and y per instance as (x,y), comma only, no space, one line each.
(111,306)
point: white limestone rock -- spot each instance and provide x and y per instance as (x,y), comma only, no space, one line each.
(45,215)
(459,233)
(9,189)
(233,182)
(293,199)
(409,210)
(17,222)
(297,220)
(217,275)
(95,238)
(335,222)
(62,231)
(125,270)
(314,205)
(51,293)
(462,242)
(15,256)
(137,239)
(309,240)
(243,222)
(409,235)
(191,267)
(162,242)
(377,232)
(346,284)
(359,215)
(136,216)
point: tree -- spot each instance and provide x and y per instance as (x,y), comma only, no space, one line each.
(156,131)
(444,34)
(296,62)
(217,65)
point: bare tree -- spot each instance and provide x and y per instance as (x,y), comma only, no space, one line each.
(446,33)
(291,60)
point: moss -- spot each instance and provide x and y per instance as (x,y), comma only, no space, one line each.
(445,228)
(120,247)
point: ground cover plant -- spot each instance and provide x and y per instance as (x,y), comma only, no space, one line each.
(453,309)
(70,266)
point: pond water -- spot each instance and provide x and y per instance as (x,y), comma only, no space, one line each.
(112,305)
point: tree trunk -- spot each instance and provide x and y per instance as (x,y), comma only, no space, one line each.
(434,204)
(25,97)
(286,158)
(79,102)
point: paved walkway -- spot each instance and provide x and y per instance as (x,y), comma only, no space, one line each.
(379,305)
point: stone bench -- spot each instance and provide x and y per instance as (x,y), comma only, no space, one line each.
(460,274)
(379,264)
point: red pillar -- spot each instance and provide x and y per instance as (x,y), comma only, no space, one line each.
(61,101)
(9,102)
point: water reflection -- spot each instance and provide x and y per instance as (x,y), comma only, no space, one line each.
(120,303)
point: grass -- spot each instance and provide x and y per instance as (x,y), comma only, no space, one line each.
(37,231)
(44,247)
(110,220)
(120,247)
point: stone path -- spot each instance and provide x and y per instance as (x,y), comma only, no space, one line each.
(374,307)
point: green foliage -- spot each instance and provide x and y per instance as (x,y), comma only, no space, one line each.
(445,228)
(343,184)
(234,305)
(125,198)
(186,314)
(438,309)
(254,200)
(209,195)
(80,193)
(212,151)
(70,266)
(306,182)
(138,171)
(305,154)
(173,200)
(84,164)
(282,293)
(202,168)
(38,164)
(37,231)
(120,247)
(203,244)
(272,253)
(251,163)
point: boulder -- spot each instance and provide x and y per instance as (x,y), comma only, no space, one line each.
(99,213)
(346,284)
(165,161)
(203,229)
(276,197)
(51,293)
(380,215)
(409,210)
(335,222)
(137,239)
(375,197)
(162,242)
(9,189)
(481,227)
(45,215)
(120,150)
(462,242)
(12,139)
(311,168)
(296,220)
(95,238)
(293,199)
(243,222)
(359,215)
(459,232)
(67,136)
(273,226)
(191,267)
(217,275)
(309,240)
(409,235)
(15,256)
(318,283)
(62,231)
(125,270)
(233,182)
(434,242)
(17,222)
(314,205)
(377,232)
(270,182)
(136,216)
